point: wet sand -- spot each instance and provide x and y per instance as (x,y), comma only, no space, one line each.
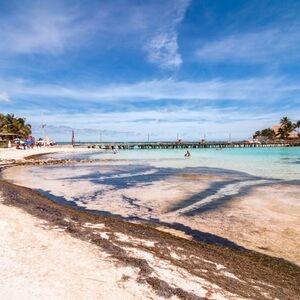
(60,244)
(266,220)
(264,217)
(205,255)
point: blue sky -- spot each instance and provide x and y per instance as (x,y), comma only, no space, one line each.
(168,67)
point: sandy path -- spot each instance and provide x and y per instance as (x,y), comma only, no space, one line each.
(38,263)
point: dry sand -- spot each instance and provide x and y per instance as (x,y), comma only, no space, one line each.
(39,263)
(9,154)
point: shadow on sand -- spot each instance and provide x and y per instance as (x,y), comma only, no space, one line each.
(195,234)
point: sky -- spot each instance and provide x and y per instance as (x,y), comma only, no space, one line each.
(126,69)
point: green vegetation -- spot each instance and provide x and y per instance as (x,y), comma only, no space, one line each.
(297,125)
(267,133)
(11,124)
(283,132)
(286,127)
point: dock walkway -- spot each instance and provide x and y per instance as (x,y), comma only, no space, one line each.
(186,145)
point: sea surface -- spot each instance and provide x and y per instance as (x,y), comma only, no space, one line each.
(277,163)
(158,183)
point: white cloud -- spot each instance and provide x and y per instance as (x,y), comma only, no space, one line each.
(42,28)
(162,47)
(54,27)
(4,97)
(191,124)
(263,46)
(255,89)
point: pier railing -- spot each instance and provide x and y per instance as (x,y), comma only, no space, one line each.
(187,145)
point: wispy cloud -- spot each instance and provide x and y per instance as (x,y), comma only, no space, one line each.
(191,124)
(163,46)
(255,89)
(41,27)
(122,66)
(53,27)
(163,49)
(275,45)
(4,96)
(61,132)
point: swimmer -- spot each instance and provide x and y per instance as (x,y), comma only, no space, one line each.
(188,154)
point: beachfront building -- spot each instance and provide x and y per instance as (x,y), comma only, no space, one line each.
(6,138)
(292,135)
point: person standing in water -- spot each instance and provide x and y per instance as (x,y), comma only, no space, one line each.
(188,154)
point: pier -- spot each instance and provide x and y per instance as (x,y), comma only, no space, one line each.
(186,145)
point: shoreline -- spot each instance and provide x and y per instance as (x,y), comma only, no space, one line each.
(10,155)
(263,219)
(274,276)
(217,271)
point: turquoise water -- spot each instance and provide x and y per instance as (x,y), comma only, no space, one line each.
(281,163)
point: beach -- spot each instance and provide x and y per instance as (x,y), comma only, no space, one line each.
(147,246)
(12,154)
(256,212)
(40,262)
(149,150)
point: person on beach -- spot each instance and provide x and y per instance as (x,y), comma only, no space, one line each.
(188,154)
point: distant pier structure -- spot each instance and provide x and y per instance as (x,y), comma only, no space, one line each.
(187,145)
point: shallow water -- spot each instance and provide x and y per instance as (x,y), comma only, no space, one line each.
(249,196)
(154,183)
(281,163)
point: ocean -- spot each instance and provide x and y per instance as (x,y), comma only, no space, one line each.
(281,163)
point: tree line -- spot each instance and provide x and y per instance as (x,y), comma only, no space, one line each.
(11,124)
(286,127)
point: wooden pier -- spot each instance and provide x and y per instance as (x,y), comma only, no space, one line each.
(186,145)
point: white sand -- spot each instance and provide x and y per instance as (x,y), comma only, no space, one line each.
(7,154)
(266,220)
(42,263)
(37,263)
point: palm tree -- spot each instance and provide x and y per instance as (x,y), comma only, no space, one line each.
(9,123)
(284,121)
(256,134)
(281,133)
(268,133)
(297,125)
(286,127)
(3,123)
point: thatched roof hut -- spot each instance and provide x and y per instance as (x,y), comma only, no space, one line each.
(7,136)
